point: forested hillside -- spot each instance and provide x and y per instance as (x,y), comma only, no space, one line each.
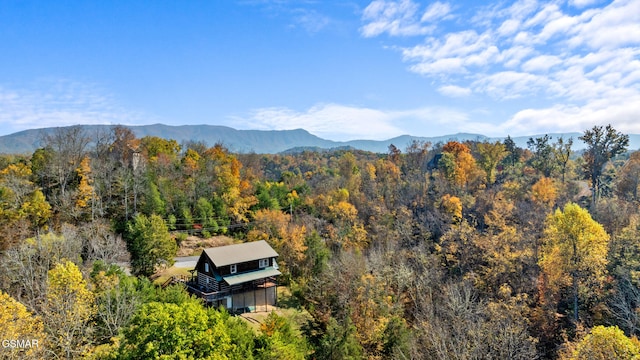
(474,250)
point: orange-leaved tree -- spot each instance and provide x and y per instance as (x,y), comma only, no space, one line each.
(464,163)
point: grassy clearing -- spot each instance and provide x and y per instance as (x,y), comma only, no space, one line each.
(193,245)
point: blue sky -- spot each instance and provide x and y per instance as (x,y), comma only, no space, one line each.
(341,70)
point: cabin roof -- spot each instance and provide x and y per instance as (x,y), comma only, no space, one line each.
(250,276)
(239,253)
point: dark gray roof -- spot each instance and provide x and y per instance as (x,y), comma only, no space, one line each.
(235,254)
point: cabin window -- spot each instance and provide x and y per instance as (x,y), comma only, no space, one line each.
(206,267)
(234,268)
(263,263)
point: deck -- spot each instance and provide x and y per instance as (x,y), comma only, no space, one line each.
(214,296)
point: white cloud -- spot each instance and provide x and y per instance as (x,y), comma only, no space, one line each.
(60,102)
(522,8)
(548,13)
(514,55)
(510,84)
(561,25)
(342,122)
(326,120)
(613,26)
(453,55)
(310,20)
(541,63)
(439,67)
(582,3)
(436,11)
(509,27)
(621,113)
(537,48)
(397,18)
(454,91)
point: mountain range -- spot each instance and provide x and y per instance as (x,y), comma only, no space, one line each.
(266,141)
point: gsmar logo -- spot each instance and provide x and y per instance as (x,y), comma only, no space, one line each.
(20,343)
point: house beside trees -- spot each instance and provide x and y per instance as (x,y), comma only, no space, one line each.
(240,277)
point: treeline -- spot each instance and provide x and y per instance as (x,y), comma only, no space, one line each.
(436,251)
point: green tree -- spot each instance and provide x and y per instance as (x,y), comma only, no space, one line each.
(204,213)
(153,201)
(150,244)
(316,255)
(172,331)
(156,147)
(542,159)
(280,340)
(574,252)
(602,145)
(513,152)
(338,342)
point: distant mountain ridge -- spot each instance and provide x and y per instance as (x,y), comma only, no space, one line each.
(266,141)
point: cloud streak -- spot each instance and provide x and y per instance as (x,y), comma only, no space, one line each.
(400,18)
(343,122)
(60,103)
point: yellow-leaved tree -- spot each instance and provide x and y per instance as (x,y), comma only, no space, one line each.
(574,251)
(69,307)
(452,206)
(287,238)
(85,193)
(544,192)
(603,342)
(17,324)
(490,156)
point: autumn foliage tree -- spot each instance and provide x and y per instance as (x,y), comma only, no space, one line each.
(288,239)
(17,323)
(490,156)
(69,307)
(544,192)
(439,252)
(23,206)
(601,343)
(463,162)
(574,252)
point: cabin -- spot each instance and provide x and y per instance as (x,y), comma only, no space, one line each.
(240,277)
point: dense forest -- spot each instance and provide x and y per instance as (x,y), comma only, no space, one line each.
(471,250)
